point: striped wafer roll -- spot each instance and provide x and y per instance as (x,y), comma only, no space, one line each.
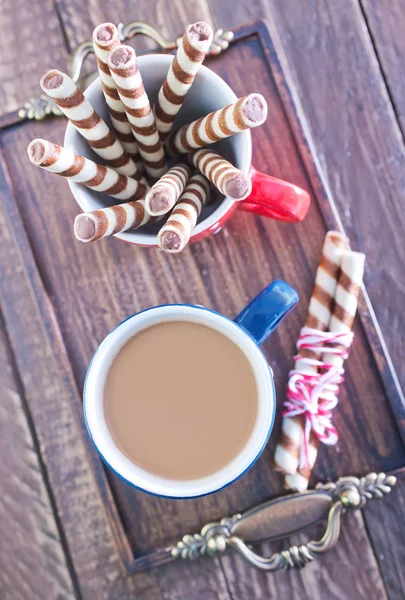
(92,226)
(176,232)
(164,194)
(249,111)
(341,321)
(288,450)
(62,89)
(128,80)
(67,163)
(346,295)
(190,54)
(229,180)
(105,39)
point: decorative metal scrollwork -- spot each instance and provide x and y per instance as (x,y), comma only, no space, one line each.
(38,108)
(296,556)
(347,493)
(355,492)
(210,541)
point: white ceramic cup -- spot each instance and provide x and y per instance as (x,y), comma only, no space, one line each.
(248,331)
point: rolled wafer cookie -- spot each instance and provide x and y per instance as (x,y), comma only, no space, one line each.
(229,180)
(176,232)
(341,321)
(67,163)
(92,226)
(128,80)
(164,194)
(191,52)
(288,450)
(105,39)
(246,113)
(62,89)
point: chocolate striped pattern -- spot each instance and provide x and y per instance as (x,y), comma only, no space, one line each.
(221,173)
(189,56)
(164,194)
(67,163)
(217,125)
(105,39)
(287,452)
(62,89)
(176,232)
(347,293)
(114,219)
(128,80)
(341,321)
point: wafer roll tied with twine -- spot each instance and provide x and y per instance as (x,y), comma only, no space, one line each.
(128,80)
(176,232)
(191,52)
(229,180)
(62,89)
(248,112)
(341,321)
(164,194)
(288,450)
(67,163)
(92,226)
(105,39)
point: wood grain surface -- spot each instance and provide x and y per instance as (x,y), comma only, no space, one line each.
(31,42)
(384,524)
(26,510)
(59,298)
(386,22)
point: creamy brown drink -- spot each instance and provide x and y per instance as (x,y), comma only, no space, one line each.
(180,400)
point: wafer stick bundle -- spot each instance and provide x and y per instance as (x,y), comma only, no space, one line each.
(132,146)
(288,450)
(341,322)
(323,346)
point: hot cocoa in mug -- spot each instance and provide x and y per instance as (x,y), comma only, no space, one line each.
(179,400)
(165,420)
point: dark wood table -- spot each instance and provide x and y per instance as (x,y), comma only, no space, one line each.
(332,73)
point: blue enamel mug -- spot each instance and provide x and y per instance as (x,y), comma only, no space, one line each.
(248,331)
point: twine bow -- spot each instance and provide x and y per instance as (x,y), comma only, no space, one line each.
(314,393)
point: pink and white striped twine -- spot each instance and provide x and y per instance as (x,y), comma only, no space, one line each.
(314,394)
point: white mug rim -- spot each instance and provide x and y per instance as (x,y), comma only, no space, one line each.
(118,462)
(135,237)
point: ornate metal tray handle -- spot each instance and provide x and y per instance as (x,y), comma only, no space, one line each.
(295,556)
(282,517)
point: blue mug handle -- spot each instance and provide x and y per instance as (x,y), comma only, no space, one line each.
(265,312)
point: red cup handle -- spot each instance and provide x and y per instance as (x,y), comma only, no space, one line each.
(277,199)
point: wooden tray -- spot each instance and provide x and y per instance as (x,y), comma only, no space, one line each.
(60,298)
